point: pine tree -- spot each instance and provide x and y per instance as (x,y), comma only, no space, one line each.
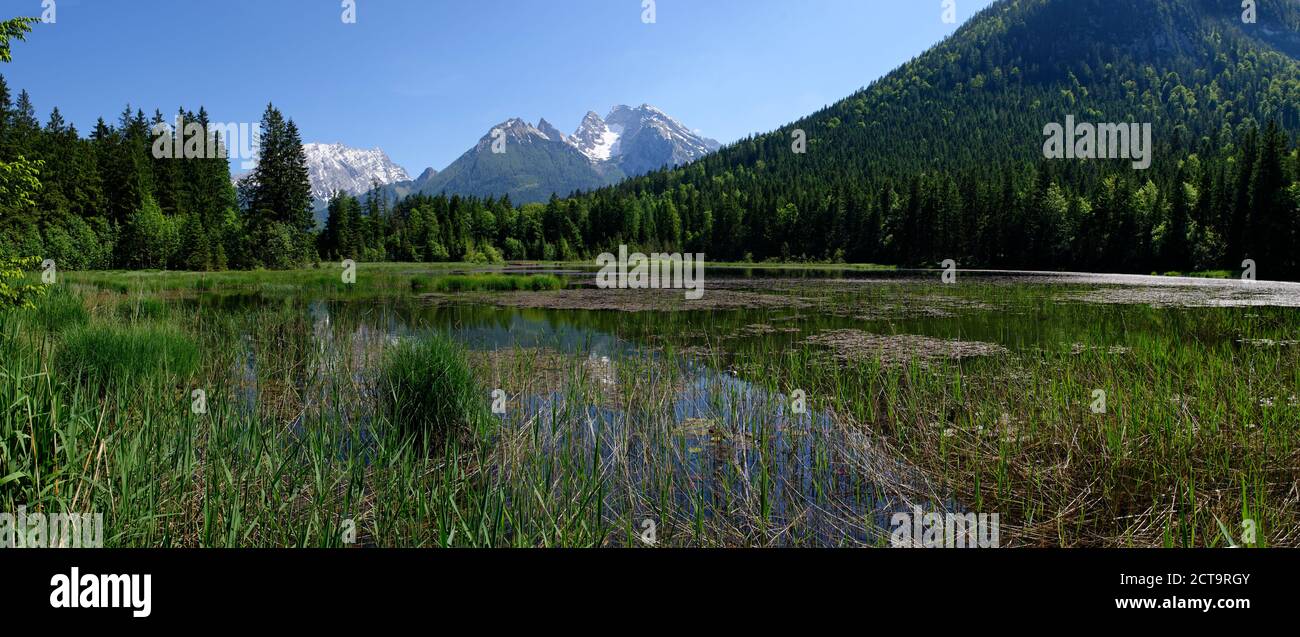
(6,114)
(278,196)
(1176,252)
(1270,223)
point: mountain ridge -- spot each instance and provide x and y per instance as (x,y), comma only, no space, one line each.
(597,154)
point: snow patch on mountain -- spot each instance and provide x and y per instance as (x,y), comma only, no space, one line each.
(595,138)
(641,135)
(335,167)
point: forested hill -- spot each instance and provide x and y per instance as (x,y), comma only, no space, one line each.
(943,158)
(1190,67)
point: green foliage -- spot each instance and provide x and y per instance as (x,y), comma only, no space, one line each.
(143,308)
(110,355)
(19,180)
(426,388)
(60,311)
(490,283)
(13,292)
(106,201)
(150,239)
(15,29)
(279,246)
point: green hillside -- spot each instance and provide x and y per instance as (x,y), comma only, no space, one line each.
(943,157)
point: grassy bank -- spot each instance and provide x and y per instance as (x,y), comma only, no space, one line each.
(488,283)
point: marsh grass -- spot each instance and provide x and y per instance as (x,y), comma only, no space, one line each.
(1201,427)
(142,309)
(426,388)
(111,355)
(59,310)
(488,283)
(373,279)
(1195,431)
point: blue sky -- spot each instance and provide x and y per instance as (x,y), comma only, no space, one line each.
(425,79)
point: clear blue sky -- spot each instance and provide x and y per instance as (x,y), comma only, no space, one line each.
(425,79)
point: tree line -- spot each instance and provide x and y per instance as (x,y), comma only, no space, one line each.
(939,160)
(106,202)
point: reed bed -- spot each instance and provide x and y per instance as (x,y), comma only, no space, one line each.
(323,425)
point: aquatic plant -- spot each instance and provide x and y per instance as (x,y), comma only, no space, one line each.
(108,355)
(426,388)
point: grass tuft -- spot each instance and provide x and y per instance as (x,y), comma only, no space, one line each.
(426,389)
(110,355)
(59,311)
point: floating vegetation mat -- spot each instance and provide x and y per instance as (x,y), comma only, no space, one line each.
(857,346)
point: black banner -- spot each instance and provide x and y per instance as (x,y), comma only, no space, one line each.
(354,586)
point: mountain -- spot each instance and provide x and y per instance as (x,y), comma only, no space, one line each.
(989,89)
(635,141)
(540,160)
(335,167)
(594,138)
(533,165)
(944,157)
(646,139)
(426,176)
(549,131)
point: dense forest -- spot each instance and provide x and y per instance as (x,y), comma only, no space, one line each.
(941,159)
(105,201)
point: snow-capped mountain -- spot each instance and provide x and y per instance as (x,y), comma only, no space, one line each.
(534,163)
(639,139)
(540,160)
(335,167)
(595,138)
